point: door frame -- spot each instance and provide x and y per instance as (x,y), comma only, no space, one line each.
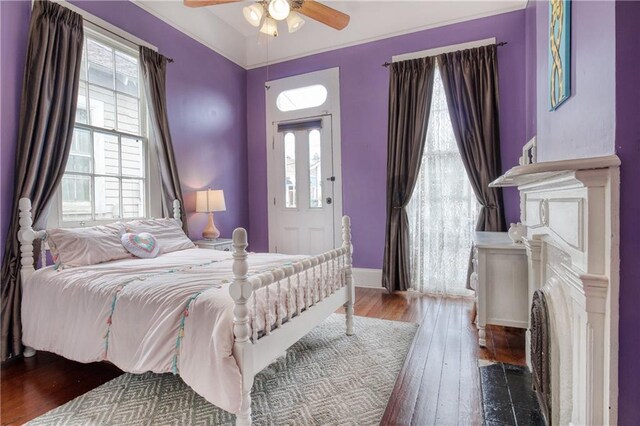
(330,79)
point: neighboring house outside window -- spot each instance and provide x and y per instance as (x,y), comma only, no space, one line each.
(107,177)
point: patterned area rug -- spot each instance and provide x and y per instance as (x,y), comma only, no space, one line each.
(327,378)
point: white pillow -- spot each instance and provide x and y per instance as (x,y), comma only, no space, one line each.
(71,247)
(142,245)
(168,233)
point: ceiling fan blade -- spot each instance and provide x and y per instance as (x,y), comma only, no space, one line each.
(325,14)
(201,3)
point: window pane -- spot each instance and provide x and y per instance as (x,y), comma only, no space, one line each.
(100,63)
(105,154)
(315,169)
(133,157)
(82,111)
(102,105)
(128,114)
(132,198)
(107,196)
(301,98)
(80,154)
(126,74)
(76,198)
(290,170)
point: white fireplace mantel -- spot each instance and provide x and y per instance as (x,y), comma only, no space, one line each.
(571,211)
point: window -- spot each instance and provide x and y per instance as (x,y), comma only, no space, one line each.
(443,209)
(291,200)
(302,98)
(315,169)
(107,177)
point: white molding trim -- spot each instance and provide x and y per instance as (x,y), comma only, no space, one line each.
(93,20)
(571,210)
(444,49)
(366,277)
(330,78)
(238,59)
(501,11)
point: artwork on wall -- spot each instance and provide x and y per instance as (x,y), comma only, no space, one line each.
(559,52)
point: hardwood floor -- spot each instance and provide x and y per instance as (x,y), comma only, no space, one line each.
(438,384)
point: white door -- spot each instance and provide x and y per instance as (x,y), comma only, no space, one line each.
(302,181)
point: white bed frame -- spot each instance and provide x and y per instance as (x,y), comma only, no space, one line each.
(253,352)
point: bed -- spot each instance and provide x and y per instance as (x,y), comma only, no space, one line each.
(215,318)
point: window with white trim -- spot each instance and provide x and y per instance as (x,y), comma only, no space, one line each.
(107,177)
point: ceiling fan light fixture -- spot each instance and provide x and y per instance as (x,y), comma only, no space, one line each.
(270,27)
(294,22)
(253,14)
(279,9)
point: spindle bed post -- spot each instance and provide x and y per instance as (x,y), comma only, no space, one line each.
(346,242)
(176,211)
(240,291)
(26,236)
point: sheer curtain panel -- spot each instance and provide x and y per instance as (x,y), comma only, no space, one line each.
(443,208)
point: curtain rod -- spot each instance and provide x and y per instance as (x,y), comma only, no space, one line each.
(170,60)
(502,43)
(97,22)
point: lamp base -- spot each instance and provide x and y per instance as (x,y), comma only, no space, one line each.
(210,232)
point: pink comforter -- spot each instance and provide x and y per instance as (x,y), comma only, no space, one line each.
(168,314)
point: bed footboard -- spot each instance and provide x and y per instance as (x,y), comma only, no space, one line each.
(329,285)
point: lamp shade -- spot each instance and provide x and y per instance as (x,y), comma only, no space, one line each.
(210,201)
(253,14)
(279,9)
(294,22)
(270,27)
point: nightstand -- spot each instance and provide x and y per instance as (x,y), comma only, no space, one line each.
(500,279)
(221,244)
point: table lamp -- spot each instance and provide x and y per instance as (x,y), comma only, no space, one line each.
(210,201)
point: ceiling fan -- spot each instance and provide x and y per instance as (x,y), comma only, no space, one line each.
(266,13)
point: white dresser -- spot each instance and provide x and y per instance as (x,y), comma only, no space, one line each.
(221,244)
(500,280)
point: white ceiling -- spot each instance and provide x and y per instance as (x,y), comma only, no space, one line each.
(224,29)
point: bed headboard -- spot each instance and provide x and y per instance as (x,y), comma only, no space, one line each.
(27,235)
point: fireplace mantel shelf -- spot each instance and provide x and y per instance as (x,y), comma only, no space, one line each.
(570,210)
(522,175)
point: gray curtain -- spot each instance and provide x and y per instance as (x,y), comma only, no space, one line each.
(410,89)
(470,79)
(154,73)
(47,115)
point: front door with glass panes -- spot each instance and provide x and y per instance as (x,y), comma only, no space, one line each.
(302,185)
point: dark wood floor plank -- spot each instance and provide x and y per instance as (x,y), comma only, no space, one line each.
(31,387)
(470,408)
(430,385)
(449,392)
(401,406)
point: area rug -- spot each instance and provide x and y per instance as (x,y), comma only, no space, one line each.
(327,378)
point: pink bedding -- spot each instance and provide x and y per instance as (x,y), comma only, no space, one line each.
(172,313)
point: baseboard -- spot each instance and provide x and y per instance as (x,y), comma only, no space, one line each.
(366,277)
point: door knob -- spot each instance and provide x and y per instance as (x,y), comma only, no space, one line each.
(329,200)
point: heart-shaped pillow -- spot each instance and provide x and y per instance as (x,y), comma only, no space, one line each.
(143,245)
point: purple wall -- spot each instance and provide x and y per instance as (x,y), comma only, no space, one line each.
(14,25)
(601,118)
(364,87)
(628,149)
(531,70)
(584,125)
(206,96)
